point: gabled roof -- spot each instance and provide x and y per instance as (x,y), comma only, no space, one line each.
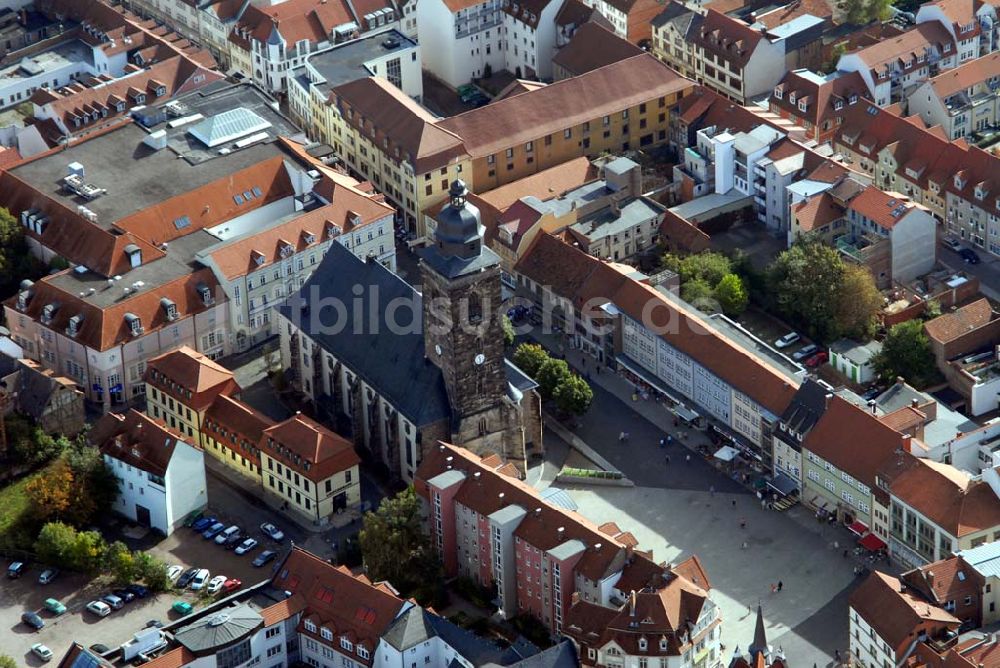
(949,326)
(853,440)
(726,37)
(384,112)
(593,46)
(966,75)
(335,599)
(823,98)
(907,46)
(546,184)
(948,497)
(293,20)
(308,447)
(190,377)
(817,212)
(564,104)
(136,439)
(882,208)
(239,420)
(944,580)
(895,613)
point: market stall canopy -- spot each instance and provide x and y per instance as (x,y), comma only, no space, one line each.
(726,453)
(858,528)
(782,484)
(872,543)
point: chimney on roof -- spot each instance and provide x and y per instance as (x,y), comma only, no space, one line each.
(827,399)
(872,406)
(477,474)
(930,578)
(538,511)
(500,496)
(906,442)
(900,380)
(631,604)
(914,403)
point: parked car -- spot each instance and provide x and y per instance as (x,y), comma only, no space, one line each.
(272,532)
(138,590)
(54,606)
(817,360)
(969,255)
(805,351)
(787,340)
(193,517)
(115,602)
(16,570)
(41,651)
(154,624)
(216,584)
(48,575)
(224,536)
(200,579)
(232,584)
(246,546)
(33,620)
(204,523)
(174,572)
(213,531)
(952,243)
(99,648)
(265,557)
(182,607)
(184,580)
(99,608)
(124,594)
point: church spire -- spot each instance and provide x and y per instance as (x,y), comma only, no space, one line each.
(759,645)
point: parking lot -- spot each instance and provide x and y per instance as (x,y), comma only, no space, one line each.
(183,547)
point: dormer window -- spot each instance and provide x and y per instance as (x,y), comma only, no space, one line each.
(852,99)
(23,297)
(169,309)
(332,231)
(286,249)
(309,237)
(959,181)
(778,93)
(642,644)
(119,107)
(947,48)
(134,324)
(206,294)
(792,97)
(134,254)
(663,644)
(49,312)
(73,326)
(838,105)
(346,644)
(326,633)
(310,625)
(161,91)
(802,105)
(258,258)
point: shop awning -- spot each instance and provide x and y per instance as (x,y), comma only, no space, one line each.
(782,484)
(858,528)
(872,543)
(726,453)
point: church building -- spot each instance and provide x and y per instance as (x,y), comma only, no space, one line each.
(399,371)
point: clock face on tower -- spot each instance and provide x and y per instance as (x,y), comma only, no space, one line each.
(480,358)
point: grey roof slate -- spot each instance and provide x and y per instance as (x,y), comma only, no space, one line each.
(33,392)
(219,629)
(562,655)
(389,359)
(417,625)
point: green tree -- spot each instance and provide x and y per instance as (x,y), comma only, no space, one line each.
(732,294)
(906,352)
(7,661)
(856,11)
(573,395)
(395,548)
(87,553)
(932,309)
(54,542)
(508,330)
(804,284)
(858,301)
(120,563)
(529,358)
(62,545)
(152,571)
(16,262)
(96,486)
(708,266)
(699,294)
(553,373)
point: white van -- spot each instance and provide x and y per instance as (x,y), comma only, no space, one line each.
(225,535)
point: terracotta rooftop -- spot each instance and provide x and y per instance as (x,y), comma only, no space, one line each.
(544,185)
(309,448)
(966,75)
(727,38)
(294,20)
(950,326)
(817,212)
(893,614)
(564,104)
(823,98)
(882,208)
(906,47)
(136,439)
(190,377)
(943,580)
(948,497)
(240,421)
(593,46)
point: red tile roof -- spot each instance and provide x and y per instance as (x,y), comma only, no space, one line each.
(948,497)
(591,47)
(882,208)
(906,47)
(136,439)
(544,185)
(893,614)
(950,326)
(823,99)
(309,448)
(294,20)
(334,598)
(731,40)
(966,75)
(190,377)
(817,212)
(237,426)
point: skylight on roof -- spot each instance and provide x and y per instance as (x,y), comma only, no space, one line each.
(182,222)
(228,126)
(238,198)
(256,191)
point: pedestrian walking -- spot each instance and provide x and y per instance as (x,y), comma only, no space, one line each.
(774,588)
(743,523)
(668,460)
(845,554)
(670,439)
(745,545)
(781,585)
(663,442)
(621,437)
(734,503)
(836,654)
(687,458)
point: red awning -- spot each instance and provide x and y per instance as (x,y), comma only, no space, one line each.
(859,528)
(872,543)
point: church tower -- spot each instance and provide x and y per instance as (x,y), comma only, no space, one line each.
(463,334)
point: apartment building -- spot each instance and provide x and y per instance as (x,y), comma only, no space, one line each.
(892,68)
(614,108)
(803,412)
(841,457)
(816,103)
(938,510)
(161,478)
(887,620)
(232,432)
(673,621)
(592,46)
(953,584)
(467,36)
(955,181)
(885,232)
(973,25)
(963,342)
(181,385)
(310,468)
(488,525)
(962,101)
(269,42)
(631,19)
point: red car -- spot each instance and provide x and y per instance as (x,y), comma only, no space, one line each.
(231,585)
(818,359)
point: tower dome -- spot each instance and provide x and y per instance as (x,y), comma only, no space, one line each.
(459,231)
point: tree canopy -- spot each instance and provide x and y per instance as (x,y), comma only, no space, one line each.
(529,358)
(906,352)
(710,281)
(574,395)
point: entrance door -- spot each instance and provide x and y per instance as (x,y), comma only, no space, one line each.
(340,501)
(142,515)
